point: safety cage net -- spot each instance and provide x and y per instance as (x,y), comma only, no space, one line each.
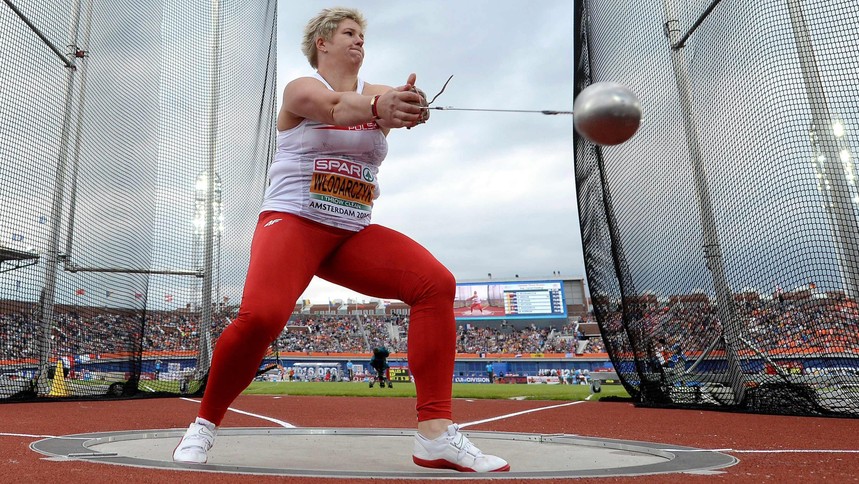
(722,241)
(133,151)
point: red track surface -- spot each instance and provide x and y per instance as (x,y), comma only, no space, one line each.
(706,430)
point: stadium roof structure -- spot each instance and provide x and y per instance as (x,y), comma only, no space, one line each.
(517,278)
(11,259)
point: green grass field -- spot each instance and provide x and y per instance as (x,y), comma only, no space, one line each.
(460,390)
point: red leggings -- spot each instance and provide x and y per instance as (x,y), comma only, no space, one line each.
(287,251)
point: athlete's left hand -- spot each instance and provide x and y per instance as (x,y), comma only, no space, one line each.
(423,103)
(423,95)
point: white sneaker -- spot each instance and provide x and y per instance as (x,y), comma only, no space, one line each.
(452,450)
(195,445)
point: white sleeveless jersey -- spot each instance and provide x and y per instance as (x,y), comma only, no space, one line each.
(327,173)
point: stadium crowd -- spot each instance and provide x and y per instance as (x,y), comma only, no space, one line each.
(118,333)
(531,339)
(671,332)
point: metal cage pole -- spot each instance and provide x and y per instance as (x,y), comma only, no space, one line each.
(53,256)
(67,254)
(712,252)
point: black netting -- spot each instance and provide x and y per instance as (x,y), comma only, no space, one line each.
(127,127)
(721,242)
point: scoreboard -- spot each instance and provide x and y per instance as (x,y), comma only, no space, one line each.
(510,300)
(529,301)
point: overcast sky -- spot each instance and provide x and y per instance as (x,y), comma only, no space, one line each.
(484,192)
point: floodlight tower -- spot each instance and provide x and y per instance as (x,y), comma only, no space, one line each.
(208,229)
(201,201)
(833,163)
(204,356)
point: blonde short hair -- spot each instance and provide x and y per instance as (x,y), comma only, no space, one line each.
(323,26)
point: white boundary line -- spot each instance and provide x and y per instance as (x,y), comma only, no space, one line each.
(263,417)
(36,436)
(4,434)
(733,451)
(516,414)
